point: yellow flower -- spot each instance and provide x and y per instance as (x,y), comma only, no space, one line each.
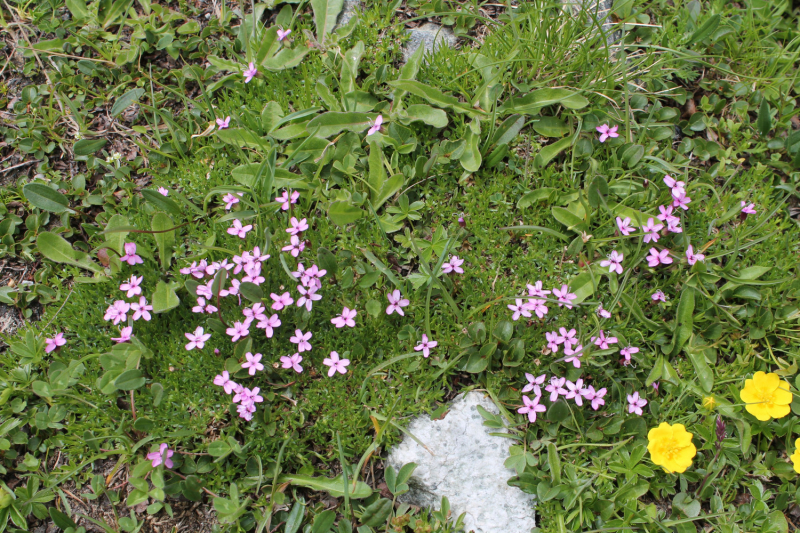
(766,396)
(671,447)
(795,457)
(709,402)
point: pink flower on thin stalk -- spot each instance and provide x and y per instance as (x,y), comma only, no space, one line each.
(376,126)
(282,34)
(564,296)
(635,404)
(223,380)
(269,324)
(130,256)
(296,226)
(553,340)
(537,306)
(659,296)
(231,200)
(55,342)
(132,286)
(425,346)
(748,209)
(197,339)
(627,353)
(531,408)
(454,265)
(596,397)
(124,335)
(537,290)
(658,258)
(253,363)
(556,387)
(568,337)
(295,246)
(607,132)
(520,308)
(692,257)
(573,356)
(396,303)
(288,197)
(681,200)
(614,262)
(575,392)
(534,384)
(238,331)
(624,226)
(677,187)
(117,312)
(279,302)
(238,230)
(651,230)
(142,309)
(602,341)
(301,340)
(162,191)
(292,362)
(223,123)
(307,297)
(250,73)
(345,319)
(336,364)
(162,456)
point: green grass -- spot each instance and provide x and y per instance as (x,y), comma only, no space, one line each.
(587,468)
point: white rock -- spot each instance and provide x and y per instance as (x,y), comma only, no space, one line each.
(465,464)
(429,35)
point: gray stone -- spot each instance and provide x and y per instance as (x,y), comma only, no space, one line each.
(349,8)
(599,10)
(431,36)
(463,462)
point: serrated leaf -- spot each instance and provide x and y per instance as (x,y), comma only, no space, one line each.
(45,198)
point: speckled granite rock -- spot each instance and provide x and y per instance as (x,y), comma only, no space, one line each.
(431,36)
(465,464)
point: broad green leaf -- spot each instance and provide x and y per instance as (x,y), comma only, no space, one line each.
(377,172)
(46,198)
(582,286)
(533,102)
(531,197)
(162,203)
(378,512)
(705,376)
(287,58)
(79,11)
(343,213)
(551,127)
(432,95)
(116,239)
(508,129)
(164,297)
(242,137)
(126,100)
(349,71)
(56,249)
(323,522)
(684,319)
(554,461)
(165,240)
(550,151)
(390,188)
(764,120)
(325,14)
(88,146)
(566,217)
(295,518)
(334,487)
(116,10)
(251,291)
(130,380)
(541,229)
(471,158)
(704,31)
(425,113)
(333,122)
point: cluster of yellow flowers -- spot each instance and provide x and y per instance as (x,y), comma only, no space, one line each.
(766,396)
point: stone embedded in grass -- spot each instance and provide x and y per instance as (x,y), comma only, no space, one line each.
(466,467)
(348,11)
(600,11)
(431,36)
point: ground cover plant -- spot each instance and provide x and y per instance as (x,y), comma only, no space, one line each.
(263,244)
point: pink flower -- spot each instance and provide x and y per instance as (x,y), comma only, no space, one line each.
(534,383)
(308,297)
(531,408)
(345,319)
(596,397)
(425,346)
(282,34)
(163,191)
(520,309)
(694,257)
(117,312)
(162,456)
(230,200)
(292,362)
(132,286)
(553,340)
(537,306)
(651,230)
(674,225)
(279,302)
(625,226)
(605,132)
(239,230)
(602,312)
(568,337)
(658,296)
(635,403)
(376,126)
(454,265)
(130,256)
(225,382)
(573,356)
(253,272)
(253,363)
(658,258)
(681,200)
(198,339)
(288,197)
(301,340)
(628,352)
(748,209)
(537,291)
(564,296)
(677,187)
(142,309)
(255,313)
(223,123)
(295,246)
(556,387)
(602,341)
(296,226)
(336,364)
(396,303)
(238,331)
(614,262)
(124,335)
(269,325)
(55,342)
(665,213)
(575,392)
(251,72)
